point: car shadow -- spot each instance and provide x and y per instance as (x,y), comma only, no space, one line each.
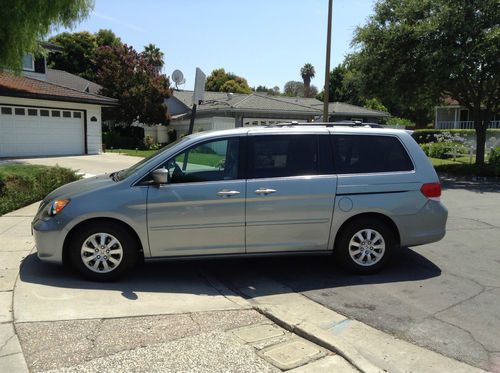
(225,276)
(478,185)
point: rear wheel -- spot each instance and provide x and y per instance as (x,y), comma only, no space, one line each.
(365,245)
(104,251)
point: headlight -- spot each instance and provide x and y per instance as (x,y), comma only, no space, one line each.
(57,206)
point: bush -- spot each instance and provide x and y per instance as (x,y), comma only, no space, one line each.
(22,185)
(444,150)
(124,138)
(431,135)
(395,121)
(494,157)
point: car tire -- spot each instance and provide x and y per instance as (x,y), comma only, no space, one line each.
(103,251)
(365,246)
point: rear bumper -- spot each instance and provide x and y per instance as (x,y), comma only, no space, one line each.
(426,226)
(49,238)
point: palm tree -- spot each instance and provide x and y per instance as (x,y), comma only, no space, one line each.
(307,72)
(154,56)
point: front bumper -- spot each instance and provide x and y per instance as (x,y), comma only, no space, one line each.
(49,238)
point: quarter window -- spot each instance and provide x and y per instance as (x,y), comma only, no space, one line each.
(368,154)
(209,161)
(282,156)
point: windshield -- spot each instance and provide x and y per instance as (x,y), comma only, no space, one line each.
(123,174)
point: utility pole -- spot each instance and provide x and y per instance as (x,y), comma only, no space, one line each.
(327,64)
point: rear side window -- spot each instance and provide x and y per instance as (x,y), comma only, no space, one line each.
(367,154)
(282,155)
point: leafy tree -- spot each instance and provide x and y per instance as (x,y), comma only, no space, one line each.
(77,56)
(218,79)
(128,76)
(375,104)
(344,85)
(294,88)
(107,37)
(297,89)
(270,91)
(79,48)
(417,50)
(307,72)
(24,23)
(154,56)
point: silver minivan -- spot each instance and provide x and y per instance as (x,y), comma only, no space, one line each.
(359,193)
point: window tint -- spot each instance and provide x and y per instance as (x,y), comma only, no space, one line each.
(282,155)
(209,161)
(366,154)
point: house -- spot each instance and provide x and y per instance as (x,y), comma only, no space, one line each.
(46,112)
(221,110)
(451,115)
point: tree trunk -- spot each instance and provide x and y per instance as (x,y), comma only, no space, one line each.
(480,126)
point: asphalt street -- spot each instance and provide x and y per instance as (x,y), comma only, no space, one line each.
(443,296)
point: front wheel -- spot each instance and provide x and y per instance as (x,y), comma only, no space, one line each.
(104,251)
(365,246)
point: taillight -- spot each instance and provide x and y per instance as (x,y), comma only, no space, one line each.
(431,191)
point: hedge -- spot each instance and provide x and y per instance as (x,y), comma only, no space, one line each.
(21,185)
(429,135)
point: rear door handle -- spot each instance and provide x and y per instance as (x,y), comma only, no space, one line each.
(265,191)
(227,193)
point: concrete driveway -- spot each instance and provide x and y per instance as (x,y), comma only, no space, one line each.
(86,164)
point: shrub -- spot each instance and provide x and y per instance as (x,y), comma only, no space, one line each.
(18,189)
(431,135)
(395,121)
(124,138)
(494,157)
(444,150)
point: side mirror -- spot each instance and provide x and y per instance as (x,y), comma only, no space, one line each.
(160,176)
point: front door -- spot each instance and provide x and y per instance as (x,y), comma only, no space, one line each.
(201,211)
(290,193)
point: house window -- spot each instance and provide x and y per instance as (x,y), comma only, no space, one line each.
(19,111)
(28,62)
(77,114)
(44,113)
(67,114)
(56,113)
(7,110)
(32,112)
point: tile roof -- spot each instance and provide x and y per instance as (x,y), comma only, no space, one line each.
(22,86)
(262,102)
(72,81)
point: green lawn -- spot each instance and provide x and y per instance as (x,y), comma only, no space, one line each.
(132,152)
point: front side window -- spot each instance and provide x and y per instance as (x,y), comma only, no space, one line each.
(369,154)
(208,161)
(282,156)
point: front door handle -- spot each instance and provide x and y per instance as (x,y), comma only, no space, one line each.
(227,193)
(265,191)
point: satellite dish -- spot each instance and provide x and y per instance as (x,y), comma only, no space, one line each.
(178,77)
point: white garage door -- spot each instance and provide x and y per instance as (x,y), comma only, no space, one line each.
(38,131)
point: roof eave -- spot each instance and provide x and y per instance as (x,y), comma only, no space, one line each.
(39,96)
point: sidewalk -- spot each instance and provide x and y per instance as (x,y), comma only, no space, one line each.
(173,317)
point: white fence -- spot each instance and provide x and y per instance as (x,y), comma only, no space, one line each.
(465,124)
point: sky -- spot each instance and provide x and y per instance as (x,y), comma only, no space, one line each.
(264,41)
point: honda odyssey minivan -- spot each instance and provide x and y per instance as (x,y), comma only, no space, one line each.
(356,193)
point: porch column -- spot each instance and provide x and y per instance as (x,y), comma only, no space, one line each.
(238,121)
(436,117)
(457,113)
